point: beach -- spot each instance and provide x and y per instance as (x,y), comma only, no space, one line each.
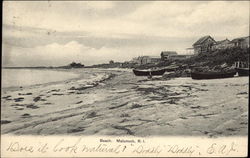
(116,102)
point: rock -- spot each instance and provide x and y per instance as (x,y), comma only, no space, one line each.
(72,88)
(19,108)
(36,99)
(32,106)
(18,99)
(24,93)
(79,102)
(57,94)
(136,105)
(26,115)
(5,122)
(6,97)
(91,114)
(124,115)
(78,129)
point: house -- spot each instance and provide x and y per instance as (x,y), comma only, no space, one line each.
(154,59)
(204,44)
(146,59)
(242,42)
(135,60)
(179,57)
(165,55)
(150,59)
(190,51)
(224,44)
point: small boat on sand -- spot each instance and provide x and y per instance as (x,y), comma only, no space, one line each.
(171,68)
(242,71)
(150,72)
(211,75)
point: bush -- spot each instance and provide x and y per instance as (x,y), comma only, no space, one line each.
(76,65)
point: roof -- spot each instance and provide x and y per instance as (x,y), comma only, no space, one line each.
(154,57)
(143,57)
(168,53)
(222,41)
(151,57)
(240,39)
(202,39)
(181,55)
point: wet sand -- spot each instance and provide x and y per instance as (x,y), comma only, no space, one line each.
(122,104)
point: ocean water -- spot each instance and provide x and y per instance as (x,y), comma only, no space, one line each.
(28,77)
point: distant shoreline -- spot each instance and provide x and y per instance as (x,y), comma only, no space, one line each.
(80,75)
(14,88)
(38,68)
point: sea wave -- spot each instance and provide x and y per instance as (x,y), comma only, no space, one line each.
(74,79)
(92,81)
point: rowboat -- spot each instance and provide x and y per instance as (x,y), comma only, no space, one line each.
(242,71)
(156,72)
(170,69)
(211,75)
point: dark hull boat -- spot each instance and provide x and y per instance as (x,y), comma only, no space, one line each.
(242,71)
(170,69)
(149,72)
(212,75)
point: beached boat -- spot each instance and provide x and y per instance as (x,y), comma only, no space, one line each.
(171,69)
(211,75)
(156,72)
(242,71)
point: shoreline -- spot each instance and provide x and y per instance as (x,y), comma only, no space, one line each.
(75,71)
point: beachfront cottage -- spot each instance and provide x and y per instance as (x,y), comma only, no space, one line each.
(242,42)
(154,59)
(146,60)
(179,57)
(224,44)
(135,60)
(204,44)
(150,59)
(190,51)
(165,55)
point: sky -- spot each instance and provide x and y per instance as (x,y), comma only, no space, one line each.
(55,33)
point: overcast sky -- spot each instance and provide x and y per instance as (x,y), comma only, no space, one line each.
(57,33)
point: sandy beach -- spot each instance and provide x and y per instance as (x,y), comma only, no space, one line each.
(119,103)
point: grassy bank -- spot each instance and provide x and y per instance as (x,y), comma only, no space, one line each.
(219,57)
(217,60)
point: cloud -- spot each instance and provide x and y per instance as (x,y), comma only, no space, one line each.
(103,5)
(178,18)
(59,32)
(57,54)
(157,18)
(62,16)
